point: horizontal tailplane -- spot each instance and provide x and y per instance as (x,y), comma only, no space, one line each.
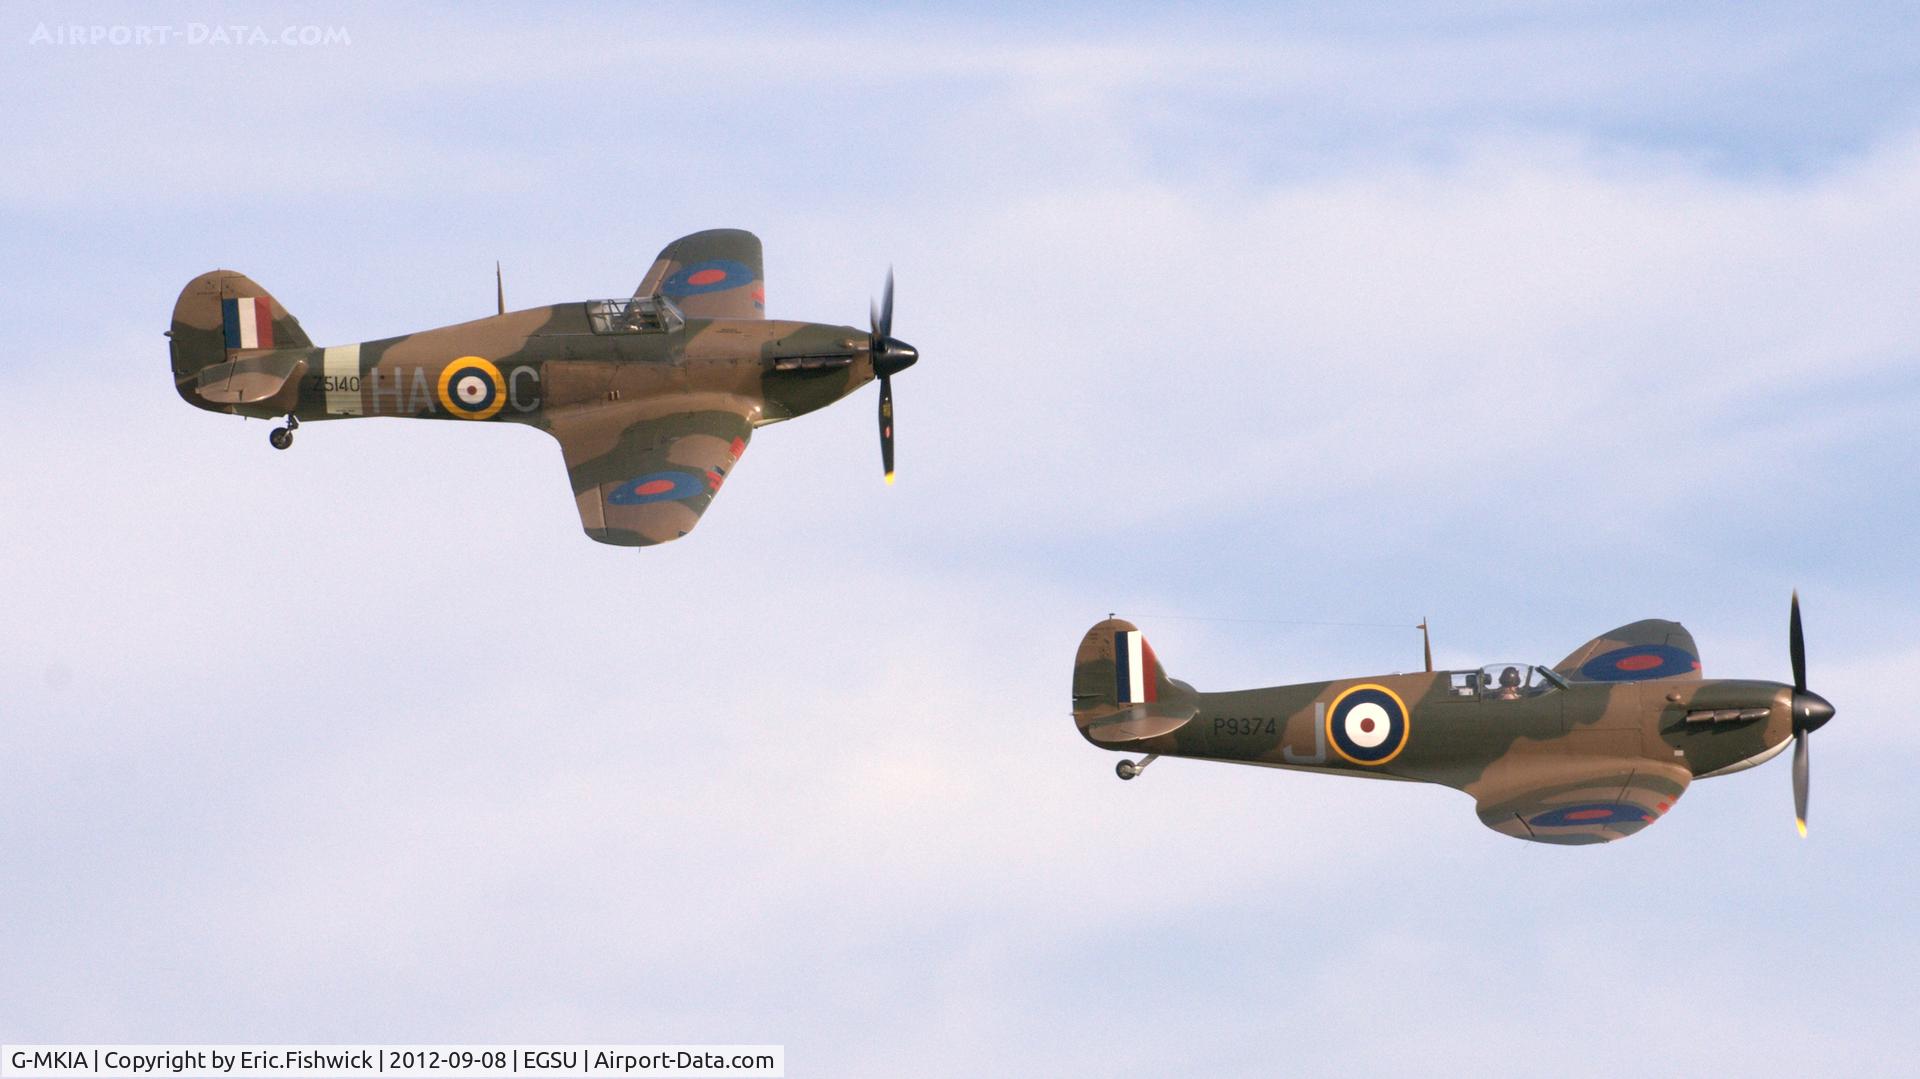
(270,381)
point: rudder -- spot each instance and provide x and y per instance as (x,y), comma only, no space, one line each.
(219,315)
(1121,694)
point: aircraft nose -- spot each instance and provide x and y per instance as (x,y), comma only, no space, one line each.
(1810,710)
(894,356)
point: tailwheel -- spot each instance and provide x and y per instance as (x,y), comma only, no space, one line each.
(1129,769)
(282,437)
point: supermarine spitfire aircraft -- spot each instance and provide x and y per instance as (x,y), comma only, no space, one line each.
(1594,748)
(652,398)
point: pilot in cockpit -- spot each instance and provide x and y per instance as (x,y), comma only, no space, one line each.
(1509,684)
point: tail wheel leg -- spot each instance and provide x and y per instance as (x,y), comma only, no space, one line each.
(1129,769)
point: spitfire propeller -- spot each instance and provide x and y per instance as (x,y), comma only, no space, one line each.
(1810,712)
(890,355)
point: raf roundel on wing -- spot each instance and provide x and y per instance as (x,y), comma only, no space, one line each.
(1639,663)
(1574,816)
(707,275)
(657,487)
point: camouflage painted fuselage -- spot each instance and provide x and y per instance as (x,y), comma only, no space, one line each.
(549,359)
(1570,761)
(653,399)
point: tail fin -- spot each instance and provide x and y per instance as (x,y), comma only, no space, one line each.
(220,314)
(1120,692)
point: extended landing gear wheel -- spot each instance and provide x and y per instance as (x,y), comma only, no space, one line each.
(1126,769)
(282,437)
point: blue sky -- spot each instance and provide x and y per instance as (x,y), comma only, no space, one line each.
(1533,321)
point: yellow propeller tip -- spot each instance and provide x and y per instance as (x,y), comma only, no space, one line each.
(1802,825)
(889,479)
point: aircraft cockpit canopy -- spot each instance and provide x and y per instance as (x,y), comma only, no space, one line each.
(639,314)
(1505,682)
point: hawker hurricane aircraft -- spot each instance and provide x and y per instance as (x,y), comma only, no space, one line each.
(1592,749)
(652,398)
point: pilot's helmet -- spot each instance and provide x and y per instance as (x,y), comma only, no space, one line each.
(1510,678)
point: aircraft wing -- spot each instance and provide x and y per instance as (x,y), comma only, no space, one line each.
(643,476)
(1577,801)
(1653,648)
(712,274)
